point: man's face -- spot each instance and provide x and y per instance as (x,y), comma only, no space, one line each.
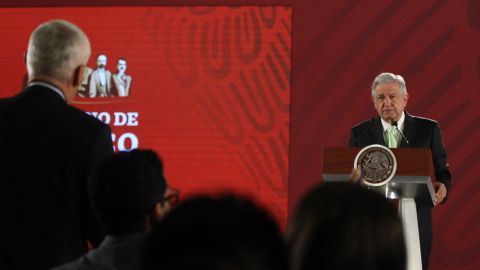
(389,101)
(101,61)
(163,207)
(122,66)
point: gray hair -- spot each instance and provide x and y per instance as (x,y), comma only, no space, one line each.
(56,48)
(388,78)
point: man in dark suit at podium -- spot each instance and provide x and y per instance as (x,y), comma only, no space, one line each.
(47,151)
(390,97)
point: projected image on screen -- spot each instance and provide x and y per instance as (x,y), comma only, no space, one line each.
(208,88)
(101,82)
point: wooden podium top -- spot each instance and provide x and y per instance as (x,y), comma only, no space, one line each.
(410,161)
(413,178)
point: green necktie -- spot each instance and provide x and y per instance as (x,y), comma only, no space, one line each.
(391,138)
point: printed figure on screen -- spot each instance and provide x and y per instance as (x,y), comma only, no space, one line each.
(100,79)
(83,89)
(121,81)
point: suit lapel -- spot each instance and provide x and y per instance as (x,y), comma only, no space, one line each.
(377,131)
(408,130)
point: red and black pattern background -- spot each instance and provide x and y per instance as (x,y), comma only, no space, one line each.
(210,89)
(261,87)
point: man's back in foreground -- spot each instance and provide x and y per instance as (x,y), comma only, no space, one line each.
(47,151)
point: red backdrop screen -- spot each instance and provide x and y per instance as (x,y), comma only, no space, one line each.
(209,89)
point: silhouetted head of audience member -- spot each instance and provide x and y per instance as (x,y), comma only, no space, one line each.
(346,226)
(216,233)
(128,192)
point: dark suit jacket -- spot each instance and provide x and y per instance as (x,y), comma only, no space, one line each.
(420,133)
(115,253)
(47,151)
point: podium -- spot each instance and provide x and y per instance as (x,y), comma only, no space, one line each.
(412,184)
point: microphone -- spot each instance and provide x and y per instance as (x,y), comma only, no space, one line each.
(395,124)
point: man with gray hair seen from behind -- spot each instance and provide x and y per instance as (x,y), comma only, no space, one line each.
(394,127)
(48,149)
